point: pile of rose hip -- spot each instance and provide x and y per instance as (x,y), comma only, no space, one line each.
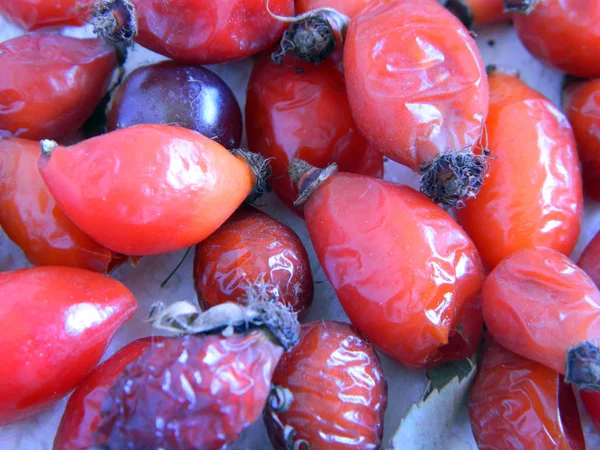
(155,168)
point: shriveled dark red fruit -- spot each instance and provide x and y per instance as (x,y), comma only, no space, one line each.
(50,84)
(520,404)
(188,96)
(201,390)
(82,413)
(251,248)
(591,402)
(193,31)
(329,392)
(590,259)
(306,114)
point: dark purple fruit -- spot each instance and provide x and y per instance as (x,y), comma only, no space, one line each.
(176,94)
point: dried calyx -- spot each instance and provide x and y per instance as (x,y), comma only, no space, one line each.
(520,6)
(229,318)
(261,168)
(583,366)
(308,178)
(116,22)
(462,11)
(453,178)
(311,36)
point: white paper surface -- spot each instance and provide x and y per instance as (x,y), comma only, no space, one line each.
(405,386)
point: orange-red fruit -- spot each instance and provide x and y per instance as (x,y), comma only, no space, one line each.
(30,217)
(581,102)
(415,91)
(82,413)
(590,259)
(474,13)
(252,248)
(528,135)
(147,189)
(403,270)
(304,115)
(338,387)
(50,84)
(34,14)
(58,322)
(564,34)
(540,305)
(520,404)
(347,7)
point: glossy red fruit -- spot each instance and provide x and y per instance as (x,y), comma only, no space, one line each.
(561,33)
(30,217)
(528,134)
(252,248)
(57,323)
(199,391)
(540,305)
(194,31)
(75,72)
(474,13)
(419,94)
(330,392)
(402,269)
(348,7)
(581,101)
(82,414)
(304,115)
(590,259)
(173,191)
(176,94)
(520,404)
(591,402)
(34,14)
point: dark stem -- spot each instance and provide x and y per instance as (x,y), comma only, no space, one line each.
(453,178)
(583,366)
(116,22)
(520,6)
(187,252)
(311,37)
(308,178)
(261,168)
(462,11)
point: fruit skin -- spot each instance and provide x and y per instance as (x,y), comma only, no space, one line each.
(348,7)
(539,304)
(34,14)
(76,74)
(173,191)
(478,12)
(415,92)
(338,387)
(207,388)
(250,247)
(403,270)
(304,115)
(590,259)
(581,102)
(201,32)
(82,413)
(591,402)
(517,403)
(30,217)
(61,320)
(564,34)
(176,94)
(527,135)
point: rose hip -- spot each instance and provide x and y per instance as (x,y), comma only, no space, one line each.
(317,400)
(540,305)
(33,14)
(252,247)
(175,94)
(590,259)
(478,12)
